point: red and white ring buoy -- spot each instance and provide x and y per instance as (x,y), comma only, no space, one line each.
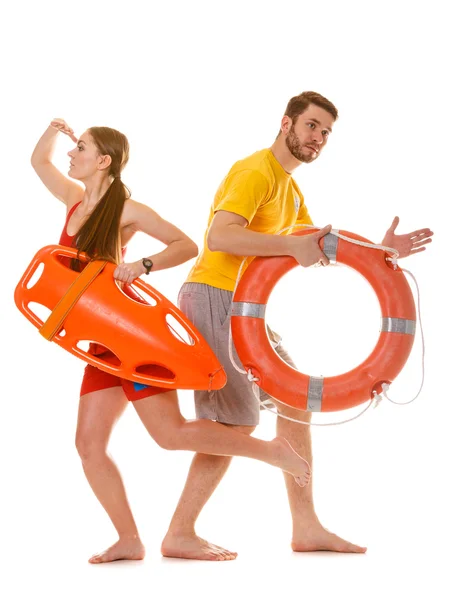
(325,393)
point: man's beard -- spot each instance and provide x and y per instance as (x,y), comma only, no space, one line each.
(295,148)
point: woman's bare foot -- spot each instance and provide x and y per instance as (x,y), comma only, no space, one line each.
(314,537)
(288,460)
(191,546)
(124,549)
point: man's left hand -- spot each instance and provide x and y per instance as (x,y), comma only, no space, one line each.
(408,243)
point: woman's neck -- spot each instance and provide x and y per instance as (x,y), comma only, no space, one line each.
(95,189)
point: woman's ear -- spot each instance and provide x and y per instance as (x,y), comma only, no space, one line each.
(104,162)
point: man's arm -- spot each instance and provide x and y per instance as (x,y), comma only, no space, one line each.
(228,233)
(408,243)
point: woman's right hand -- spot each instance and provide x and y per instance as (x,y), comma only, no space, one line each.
(62,126)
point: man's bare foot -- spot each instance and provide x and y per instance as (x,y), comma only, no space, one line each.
(194,547)
(124,549)
(288,460)
(317,538)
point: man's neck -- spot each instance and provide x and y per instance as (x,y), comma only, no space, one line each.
(283,156)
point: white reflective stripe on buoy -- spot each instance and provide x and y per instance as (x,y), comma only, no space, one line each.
(248,309)
(315,390)
(330,244)
(395,325)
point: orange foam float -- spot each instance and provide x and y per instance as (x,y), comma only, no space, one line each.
(90,306)
(305,392)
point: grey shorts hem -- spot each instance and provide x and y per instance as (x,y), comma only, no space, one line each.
(209,309)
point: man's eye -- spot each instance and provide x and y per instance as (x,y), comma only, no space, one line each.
(312,125)
(80,147)
(326,133)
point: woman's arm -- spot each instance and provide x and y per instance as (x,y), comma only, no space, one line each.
(180,247)
(61,187)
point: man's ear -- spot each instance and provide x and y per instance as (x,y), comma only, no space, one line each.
(286,124)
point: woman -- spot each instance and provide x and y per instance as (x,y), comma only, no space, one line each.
(101,220)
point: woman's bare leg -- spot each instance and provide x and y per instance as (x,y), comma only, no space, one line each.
(163,420)
(98,413)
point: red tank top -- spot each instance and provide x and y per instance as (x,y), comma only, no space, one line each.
(68,240)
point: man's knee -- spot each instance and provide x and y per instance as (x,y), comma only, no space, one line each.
(292,413)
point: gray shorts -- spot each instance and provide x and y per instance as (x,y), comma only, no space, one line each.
(209,309)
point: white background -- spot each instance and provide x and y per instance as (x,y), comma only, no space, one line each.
(196,86)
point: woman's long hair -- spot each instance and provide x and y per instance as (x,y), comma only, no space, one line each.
(99,236)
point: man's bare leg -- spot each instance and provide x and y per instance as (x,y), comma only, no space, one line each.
(308,534)
(204,476)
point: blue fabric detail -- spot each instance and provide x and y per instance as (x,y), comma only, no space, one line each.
(139,386)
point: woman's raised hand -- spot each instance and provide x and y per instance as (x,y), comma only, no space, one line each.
(62,126)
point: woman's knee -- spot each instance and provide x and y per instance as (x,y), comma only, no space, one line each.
(181,436)
(169,440)
(171,435)
(247,429)
(89,449)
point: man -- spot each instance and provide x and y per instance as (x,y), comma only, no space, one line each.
(257,199)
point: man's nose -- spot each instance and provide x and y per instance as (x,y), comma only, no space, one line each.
(318,136)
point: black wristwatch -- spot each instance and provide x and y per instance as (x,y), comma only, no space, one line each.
(148,264)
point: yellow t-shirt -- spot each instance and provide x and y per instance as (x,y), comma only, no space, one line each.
(260,190)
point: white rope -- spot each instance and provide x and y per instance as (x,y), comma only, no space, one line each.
(377,398)
(336,232)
